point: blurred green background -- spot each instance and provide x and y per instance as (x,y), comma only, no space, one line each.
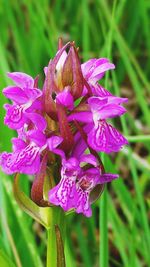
(29,31)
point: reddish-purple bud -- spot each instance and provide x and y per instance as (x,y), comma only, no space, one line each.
(38,184)
(65,130)
(72,74)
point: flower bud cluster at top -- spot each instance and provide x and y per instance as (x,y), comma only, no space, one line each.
(63,126)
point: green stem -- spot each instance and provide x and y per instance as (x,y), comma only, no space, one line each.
(57,218)
(51,248)
(138,138)
(103,260)
(103,232)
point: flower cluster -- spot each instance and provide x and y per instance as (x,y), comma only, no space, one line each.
(65,124)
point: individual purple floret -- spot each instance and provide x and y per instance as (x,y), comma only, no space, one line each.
(61,127)
(93,70)
(25,103)
(76,184)
(25,157)
(101,135)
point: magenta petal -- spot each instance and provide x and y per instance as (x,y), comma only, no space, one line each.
(15,117)
(15,94)
(37,119)
(63,194)
(106,138)
(89,158)
(109,111)
(5,162)
(98,90)
(37,137)
(98,73)
(21,79)
(106,107)
(94,69)
(84,116)
(27,160)
(87,67)
(82,204)
(36,105)
(79,146)
(33,93)
(54,141)
(70,167)
(66,99)
(117,100)
(96,103)
(107,177)
(18,144)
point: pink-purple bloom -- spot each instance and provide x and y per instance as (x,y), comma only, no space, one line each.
(53,126)
(76,184)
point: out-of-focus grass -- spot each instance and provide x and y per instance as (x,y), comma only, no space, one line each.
(28,38)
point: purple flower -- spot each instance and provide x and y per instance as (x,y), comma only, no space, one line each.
(86,182)
(58,125)
(94,70)
(104,137)
(63,193)
(25,157)
(76,184)
(25,103)
(101,135)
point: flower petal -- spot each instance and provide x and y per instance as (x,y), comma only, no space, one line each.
(15,94)
(18,144)
(106,138)
(98,90)
(66,99)
(33,94)
(5,162)
(37,137)
(99,72)
(63,193)
(15,117)
(89,158)
(82,204)
(109,111)
(25,161)
(21,79)
(38,120)
(53,142)
(83,116)
(107,177)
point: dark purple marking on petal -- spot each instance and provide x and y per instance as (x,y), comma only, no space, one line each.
(106,138)
(82,204)
(15,118)
(28,160)
(63,193)
(98,90)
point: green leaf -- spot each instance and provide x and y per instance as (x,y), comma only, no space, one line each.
(5,261)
